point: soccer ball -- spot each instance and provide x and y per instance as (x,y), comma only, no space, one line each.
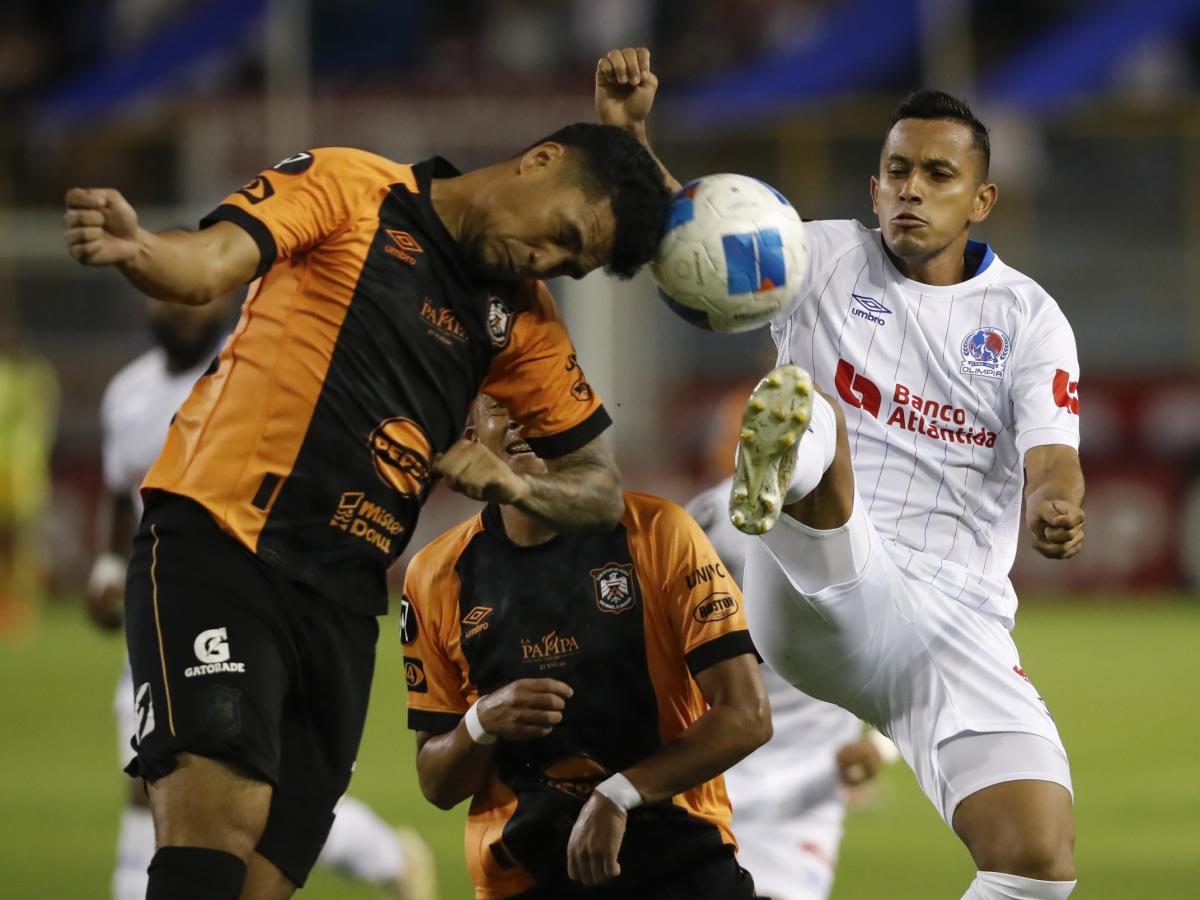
(733,253)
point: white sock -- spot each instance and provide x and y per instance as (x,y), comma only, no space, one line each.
(816,452)
(362,844)
(1000,886)
(135,849)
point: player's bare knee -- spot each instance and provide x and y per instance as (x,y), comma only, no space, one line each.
(1046,857)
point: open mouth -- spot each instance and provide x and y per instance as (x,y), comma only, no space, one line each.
(517,448)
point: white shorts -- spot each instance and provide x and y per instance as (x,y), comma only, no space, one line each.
(897,652)
(792,860)
(126,716)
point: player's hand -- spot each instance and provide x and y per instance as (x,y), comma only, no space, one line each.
(524,709)
(858,762)
(100,227)
(1057,528)
(625,87)
(476,471)
(596,841)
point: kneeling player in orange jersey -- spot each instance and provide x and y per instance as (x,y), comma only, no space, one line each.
(583,696)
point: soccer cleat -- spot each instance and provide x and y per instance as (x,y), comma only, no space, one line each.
(776,417)
(418,877)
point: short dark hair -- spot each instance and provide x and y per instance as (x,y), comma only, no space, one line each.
(612,164)
(929,104)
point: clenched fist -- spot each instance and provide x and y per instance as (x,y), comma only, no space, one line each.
(100,227)
(477,472)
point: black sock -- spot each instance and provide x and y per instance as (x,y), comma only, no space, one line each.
(195,873)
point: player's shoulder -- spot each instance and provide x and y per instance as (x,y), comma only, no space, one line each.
(134,376)
(437,558)
(648,514)
(1030,297)
(341,162)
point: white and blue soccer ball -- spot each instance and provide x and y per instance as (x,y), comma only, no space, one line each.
(733,253)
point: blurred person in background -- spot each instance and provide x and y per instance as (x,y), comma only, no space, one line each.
(134,415)
(28,405)
(585,692)
(957,378)
(293,475)
(789,796)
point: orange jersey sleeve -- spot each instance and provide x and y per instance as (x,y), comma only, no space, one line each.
(703,602)
(304,200)
(537,376)
(435,670)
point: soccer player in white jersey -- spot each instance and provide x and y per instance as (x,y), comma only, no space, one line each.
(883,586)
(135,412)
(789,795)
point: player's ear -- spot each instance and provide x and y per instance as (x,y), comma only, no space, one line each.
(874,195)
(985,199)
(546,155)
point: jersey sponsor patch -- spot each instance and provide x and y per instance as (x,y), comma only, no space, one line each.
(714,608)
(615,592)
(257,189)
(408,622)
(212,650)
(985,352)
(1066,392)
(401,452)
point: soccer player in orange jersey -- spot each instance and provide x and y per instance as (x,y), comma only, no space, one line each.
(385,297)
(586,691)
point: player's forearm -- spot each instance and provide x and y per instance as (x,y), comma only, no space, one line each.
(719,739)
(451,767)
(179,267)
(639,132)
(1058,477)
(581,492)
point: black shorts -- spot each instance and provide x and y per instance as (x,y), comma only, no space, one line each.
(233,661)
(716,877)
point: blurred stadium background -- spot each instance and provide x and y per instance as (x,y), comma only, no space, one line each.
(1094,107)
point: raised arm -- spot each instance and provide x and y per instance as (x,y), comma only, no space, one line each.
(192,267)
(625,89)
(581,491)
(1054,500)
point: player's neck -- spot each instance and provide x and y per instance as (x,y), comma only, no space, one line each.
(454,200)
(946,267)
(523,529)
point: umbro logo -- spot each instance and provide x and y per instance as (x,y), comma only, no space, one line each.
(870,309)
(403,246)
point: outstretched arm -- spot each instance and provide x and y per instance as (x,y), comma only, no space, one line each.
(625,89)
(581,491)
(1054,500)
(192,267)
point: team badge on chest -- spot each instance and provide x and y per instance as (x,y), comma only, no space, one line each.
(985,352)
(499,322)
(616,589)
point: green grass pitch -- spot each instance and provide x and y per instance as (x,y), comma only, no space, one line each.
(1120,679)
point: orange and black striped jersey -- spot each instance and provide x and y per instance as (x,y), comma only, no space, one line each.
(358,353)
(627,618)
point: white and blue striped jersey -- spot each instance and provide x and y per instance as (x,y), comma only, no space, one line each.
(944,390)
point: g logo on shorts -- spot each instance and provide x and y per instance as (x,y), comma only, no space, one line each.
(212,646)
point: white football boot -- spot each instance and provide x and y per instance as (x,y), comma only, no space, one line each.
(776,417)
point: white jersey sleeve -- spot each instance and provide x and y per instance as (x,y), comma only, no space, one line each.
(1045,390)
(121,476)
(825,242)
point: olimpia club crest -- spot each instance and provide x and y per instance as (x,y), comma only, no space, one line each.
(985,352)
(616,587)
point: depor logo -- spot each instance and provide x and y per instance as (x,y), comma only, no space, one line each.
(615,590)
(870,309)
(212,649)
(401,452)
(403,245)
(714,608)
